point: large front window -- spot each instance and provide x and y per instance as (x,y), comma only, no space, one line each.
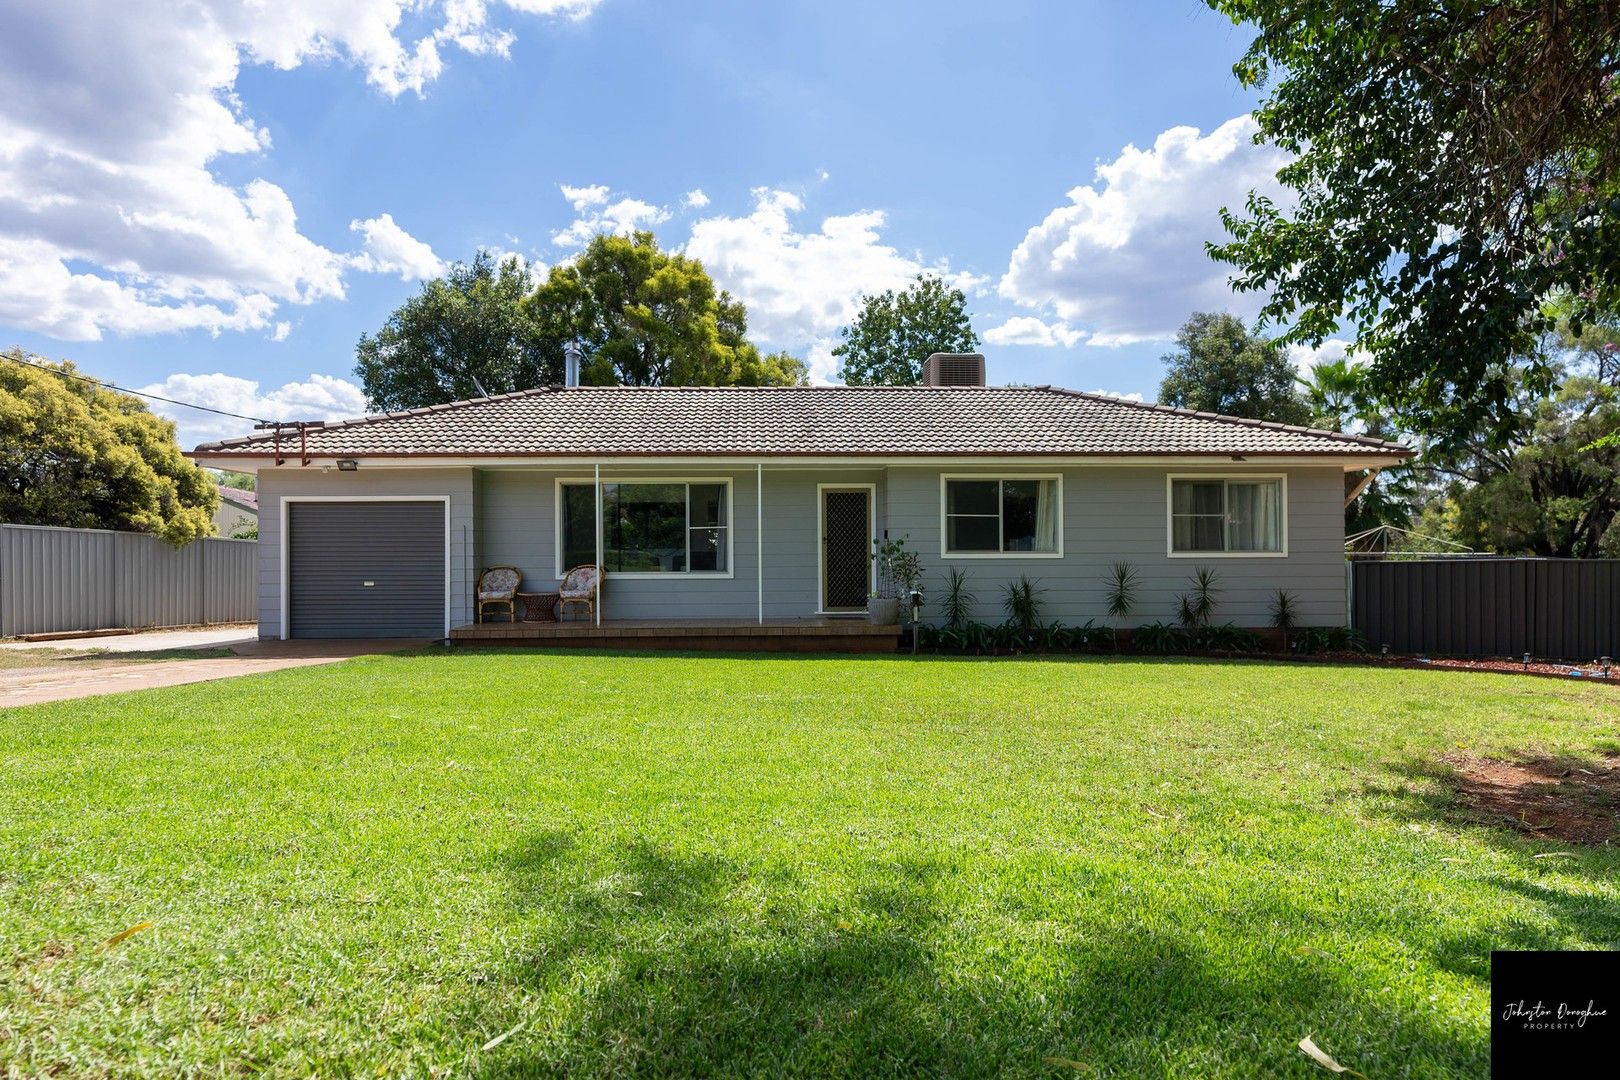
(648,527)
(1002,516)
(1222,516)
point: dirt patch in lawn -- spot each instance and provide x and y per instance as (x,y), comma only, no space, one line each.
(1571,800)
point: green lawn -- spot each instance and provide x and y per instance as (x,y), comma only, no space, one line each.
(686,864)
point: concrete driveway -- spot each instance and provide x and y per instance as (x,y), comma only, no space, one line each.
(35,672)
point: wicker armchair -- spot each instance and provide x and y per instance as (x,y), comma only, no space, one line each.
(580,586)
(498,588)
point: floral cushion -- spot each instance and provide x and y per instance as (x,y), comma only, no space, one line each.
(498,584)
(580,582)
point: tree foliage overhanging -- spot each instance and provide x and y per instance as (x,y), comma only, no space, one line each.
(894,332)
(642,317)
(1456,162)
(76,454)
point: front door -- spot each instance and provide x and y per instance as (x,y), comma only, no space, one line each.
(846,548)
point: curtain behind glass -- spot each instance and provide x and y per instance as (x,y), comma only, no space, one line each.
(1254,515)
(1046,517)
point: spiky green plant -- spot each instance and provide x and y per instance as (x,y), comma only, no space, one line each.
(1021,600)
(1122,582)
(957,606)
(1196,606)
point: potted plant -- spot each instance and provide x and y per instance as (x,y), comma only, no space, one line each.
(899,574)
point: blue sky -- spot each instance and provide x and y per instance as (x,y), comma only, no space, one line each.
(216,201)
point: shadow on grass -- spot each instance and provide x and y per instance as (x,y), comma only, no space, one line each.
(654,963)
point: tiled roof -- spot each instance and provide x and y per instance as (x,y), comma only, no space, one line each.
(247,500)
(612,421)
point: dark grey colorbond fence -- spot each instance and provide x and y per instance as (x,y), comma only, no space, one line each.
(54,580)
(1553,608)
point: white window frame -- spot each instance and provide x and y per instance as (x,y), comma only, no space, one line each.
(870,491)
(944,524)
(285,515)
(1170,516)
(652,575)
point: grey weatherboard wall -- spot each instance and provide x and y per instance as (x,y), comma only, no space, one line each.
(58,580)
(1553,608)
(276,484)
(1111,513)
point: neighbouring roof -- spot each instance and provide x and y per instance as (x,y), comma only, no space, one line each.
(247,500)
(613,421)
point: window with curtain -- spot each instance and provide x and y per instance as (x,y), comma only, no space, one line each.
(1218,515)
(647,528)
(1001,517)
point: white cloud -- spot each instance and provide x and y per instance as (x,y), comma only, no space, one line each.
(321,397)
(389,249)
(1304,357)
(822,364)
(112,119)
(1122,397)
(1028,330)
(597,215)
(695,199)
(1126,256)
(582,198)
(801,287)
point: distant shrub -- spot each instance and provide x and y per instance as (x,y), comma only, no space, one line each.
(1328,639)
(1226,638)
(1161,637)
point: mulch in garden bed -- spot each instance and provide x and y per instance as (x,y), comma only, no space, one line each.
(1594,672)
(1570,800)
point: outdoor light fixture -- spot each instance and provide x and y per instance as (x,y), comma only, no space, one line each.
(1607,662)
(347,464)
(1526,660)
(1383,650)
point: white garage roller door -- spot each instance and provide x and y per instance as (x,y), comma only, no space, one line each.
(366,569)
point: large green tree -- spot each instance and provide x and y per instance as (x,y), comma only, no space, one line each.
(894,332)
(75,454)
(1548,491)
(647,317)
(1219,366)
(465,334)
(1334,394)
(1456,162)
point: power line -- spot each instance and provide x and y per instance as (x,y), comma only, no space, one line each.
(137,393)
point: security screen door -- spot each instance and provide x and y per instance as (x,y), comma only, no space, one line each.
(846,540)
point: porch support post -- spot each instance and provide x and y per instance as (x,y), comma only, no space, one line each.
(759,536)
(599,573)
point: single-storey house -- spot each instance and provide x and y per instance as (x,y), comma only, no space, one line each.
(762,504)
(238,511)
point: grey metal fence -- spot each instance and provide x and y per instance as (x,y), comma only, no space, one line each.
(1554,608)
(54,580)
